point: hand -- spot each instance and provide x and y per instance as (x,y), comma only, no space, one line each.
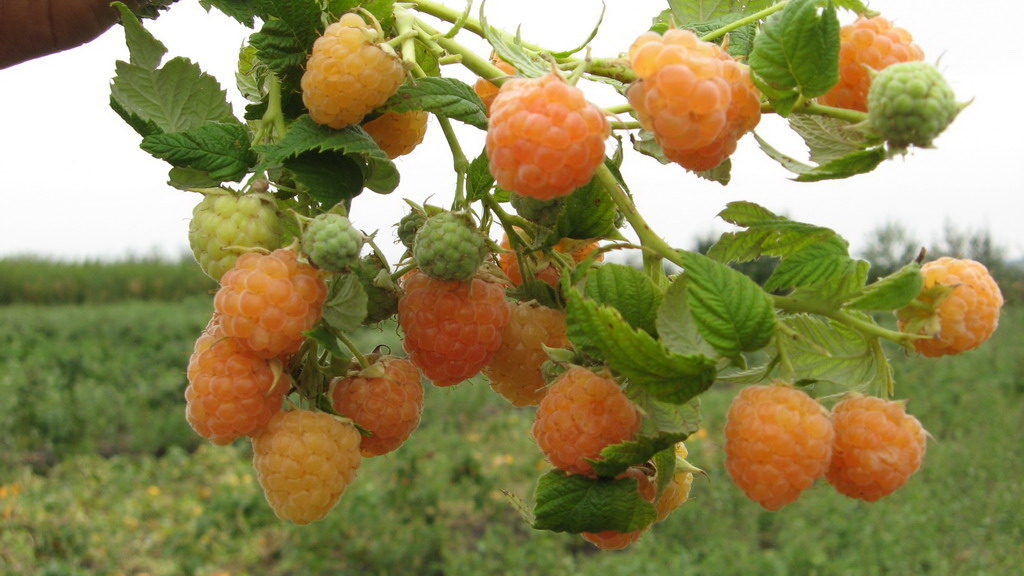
(33,28)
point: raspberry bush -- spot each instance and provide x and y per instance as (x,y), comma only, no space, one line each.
(509,277)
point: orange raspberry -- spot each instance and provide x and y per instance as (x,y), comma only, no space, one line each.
(451,328)
(878,446)
(389,405)
(231,392)
(268,300)
(304,461)
(677,491)
(967,317)
(486,89)
(398,133)
(778,442)
(543,269)
(348,74)
(614,539)
(514,370)
(581,414)
(869,44)
(545,140)
(693,95)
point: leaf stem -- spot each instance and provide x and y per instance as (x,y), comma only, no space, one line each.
(363,362)
(870,329)
(449,15)
(625,125)
(471,60)
(714,34)
(459,160)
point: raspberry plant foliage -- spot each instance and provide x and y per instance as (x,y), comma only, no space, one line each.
(701,79)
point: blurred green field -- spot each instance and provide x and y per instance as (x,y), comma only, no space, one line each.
(100,474)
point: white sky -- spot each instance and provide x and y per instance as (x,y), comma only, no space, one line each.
(76,184)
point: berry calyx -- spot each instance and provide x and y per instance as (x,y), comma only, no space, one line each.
(958,307)
(331,242)
(409,225)
(398,133)
(542,267)
(515,368)
(581,414)
(349,74)
(388,405)
(868,45)
(231,392)
(693,95)
(451,328)
(910,104)
(449,247)
(877,447)
(544,139)
(268,300)
(677,491)
(223,221)
(304,461)
(382,293)
(778,441)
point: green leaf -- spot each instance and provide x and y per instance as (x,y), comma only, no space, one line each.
(511,49)
(589,213)
(892,292)
(280,49)
(252,75)
(575,503)
(827,138)
(244,11)
(304,135)
(797,52)
(142,126)
(853,5)
(346,302)
(628,290)
(583,45)
(220,150)
(601,331)
(174,98)
(381,9)
(665,417)
(665,465)
(690,11)
(732,312)
(380,175)
(721,173)
(766,235)
(190,179)
(445,96)
(826,350)
(616,458)
(857,162)
(328,177)
(479,180)
(838,288)
(143,49)
(677,329)
(812,265)
(645,143)
(741,40)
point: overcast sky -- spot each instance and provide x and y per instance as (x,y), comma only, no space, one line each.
(75,183)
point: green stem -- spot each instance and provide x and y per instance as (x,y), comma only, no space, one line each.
(404,21)
(459,159)
(744,21)
(614,68)
(352,348)
(625,125)
(471,60)
(401,38)
(808,107)
(403,271)
(273,125)
(509,221)
(449,15)
(791,304)
(619,109)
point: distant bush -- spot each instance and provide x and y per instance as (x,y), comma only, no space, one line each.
(34,280)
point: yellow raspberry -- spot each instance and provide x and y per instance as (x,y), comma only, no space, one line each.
(348,74)
(487,90)
(869,44)
(304,461)
(693,95)
(514,369)
(398,133)
(967,316)
(389,405)
(544,140)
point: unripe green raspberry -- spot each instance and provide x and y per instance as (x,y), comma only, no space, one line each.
(331,242)
(409,225)
(541,212)
(909,104)
(449,247)
(223,220)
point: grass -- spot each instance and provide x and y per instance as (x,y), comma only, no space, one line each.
(99,474)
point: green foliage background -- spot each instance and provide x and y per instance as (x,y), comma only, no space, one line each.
(100,474)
